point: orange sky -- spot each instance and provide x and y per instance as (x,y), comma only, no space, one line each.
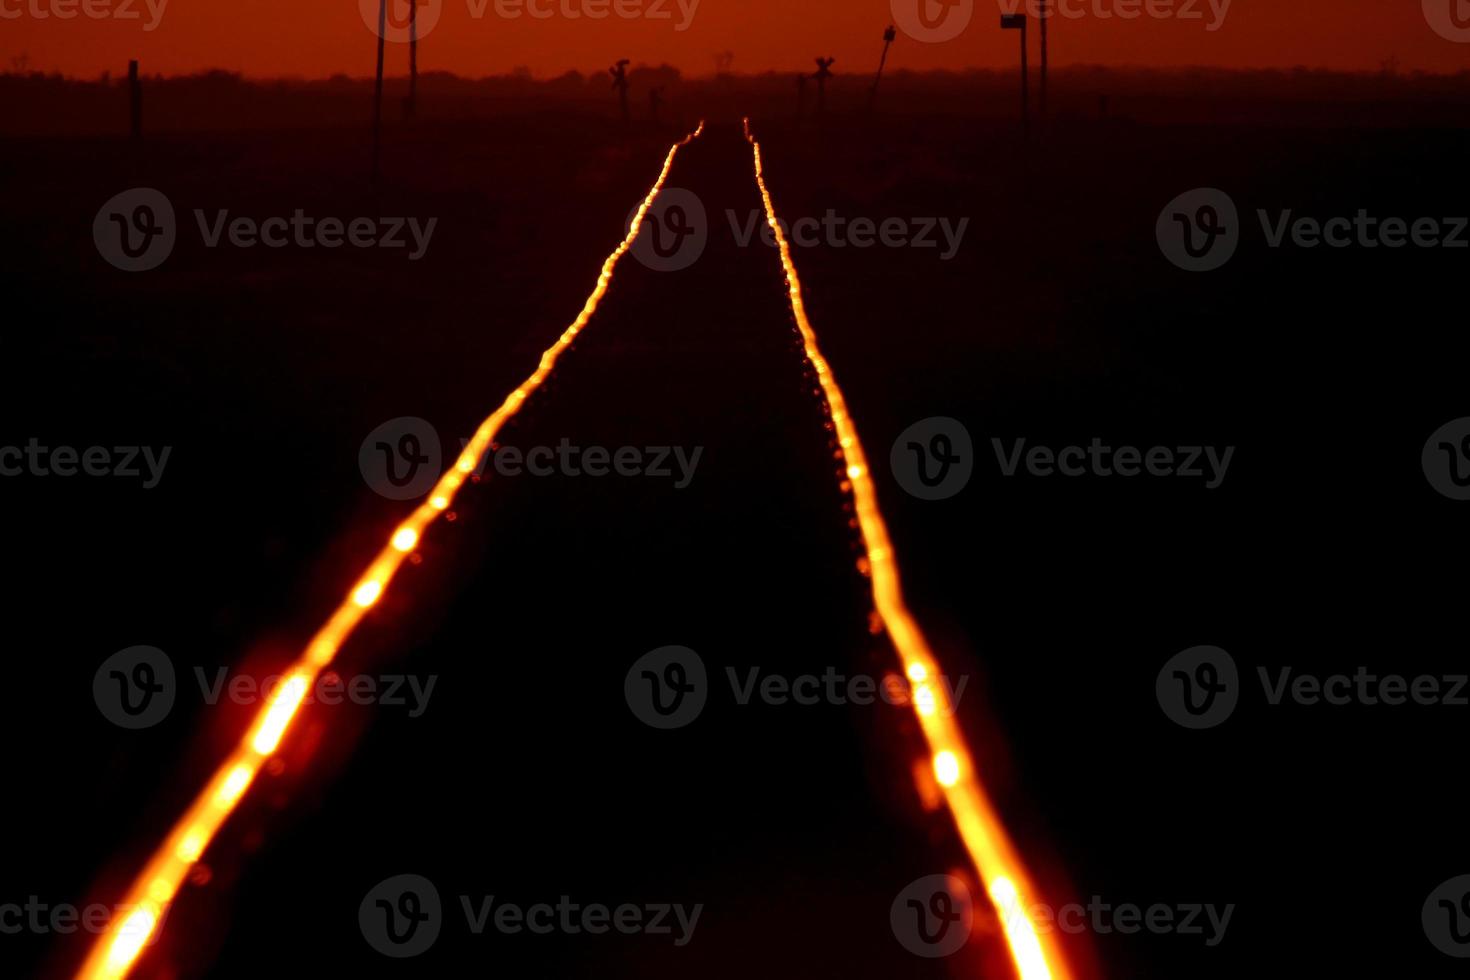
(475,37)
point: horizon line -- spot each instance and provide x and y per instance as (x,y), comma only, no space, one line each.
(749,75)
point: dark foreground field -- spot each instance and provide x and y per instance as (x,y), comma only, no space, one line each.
(526,776)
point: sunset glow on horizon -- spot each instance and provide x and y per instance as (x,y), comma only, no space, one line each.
(478,38)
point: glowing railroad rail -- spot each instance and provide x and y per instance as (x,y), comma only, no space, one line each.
(1036,957)
(117,949)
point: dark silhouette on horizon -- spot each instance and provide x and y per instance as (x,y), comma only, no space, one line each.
(48,104)
(411,101)
(1044,15)
(888,37)
(824,66)
(135,100)
(1017,22)
(378,93)
(619,73)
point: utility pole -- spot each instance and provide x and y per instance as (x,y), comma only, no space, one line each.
(135,100)
(411,105)
(378,89)
(1017,22)
(619,73)
(1045,16)
(824,72)
(888,37)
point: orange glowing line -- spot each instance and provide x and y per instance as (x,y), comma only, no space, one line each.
(1036,957)
(117,949)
